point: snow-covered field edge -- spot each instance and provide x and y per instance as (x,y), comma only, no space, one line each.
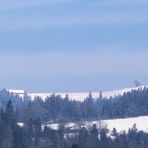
(79,96)
(120,124)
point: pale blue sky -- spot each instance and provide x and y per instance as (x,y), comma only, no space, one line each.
(73,45)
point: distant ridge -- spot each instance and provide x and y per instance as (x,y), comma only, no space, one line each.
(79,96)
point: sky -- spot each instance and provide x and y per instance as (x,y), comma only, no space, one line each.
(73,45)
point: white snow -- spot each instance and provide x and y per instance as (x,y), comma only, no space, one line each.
(125,124)
(20,124)
(17,92)
(119,124)
(80,96)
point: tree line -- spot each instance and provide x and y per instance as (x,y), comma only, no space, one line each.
(57,109)
(34,135)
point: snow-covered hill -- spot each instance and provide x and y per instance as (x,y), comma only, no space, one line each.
(119,124)
(80,96)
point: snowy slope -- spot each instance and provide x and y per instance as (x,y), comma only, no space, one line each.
(119,124)
(125,124)
(82,95)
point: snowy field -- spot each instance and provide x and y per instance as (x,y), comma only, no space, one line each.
(79,96)
(82,95)
(120,124)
